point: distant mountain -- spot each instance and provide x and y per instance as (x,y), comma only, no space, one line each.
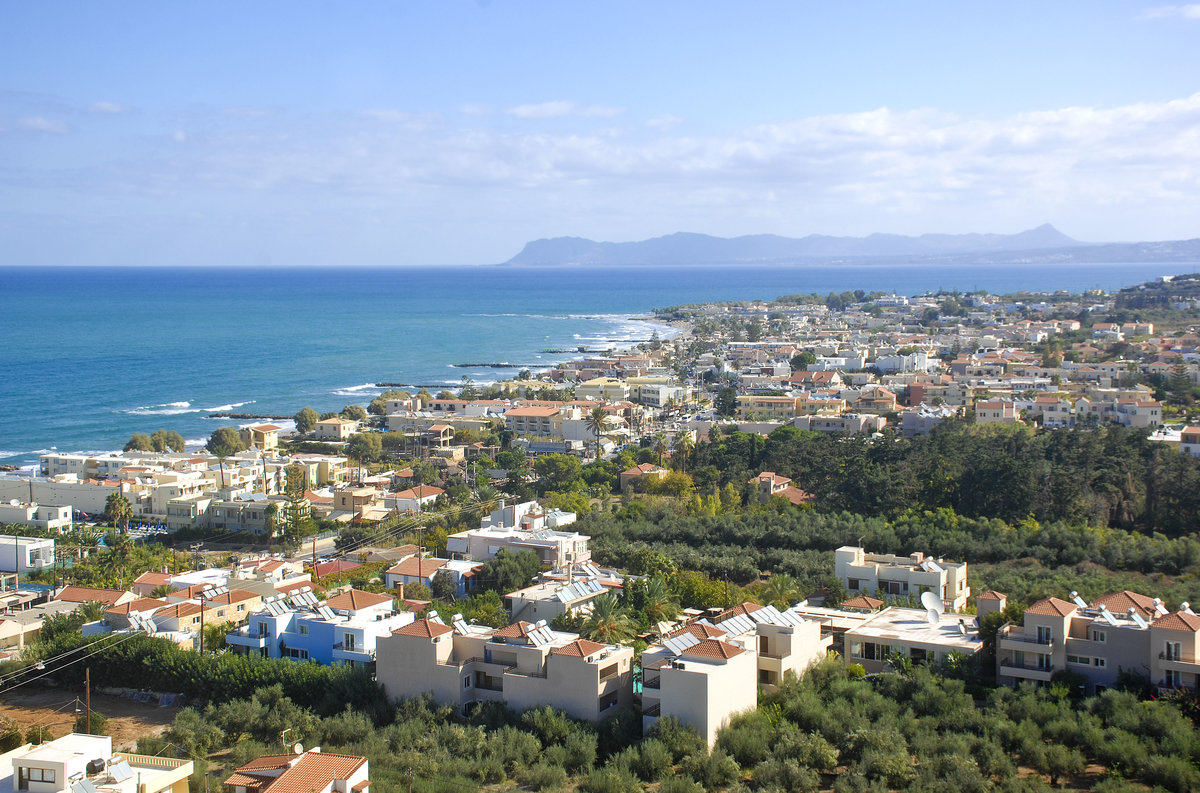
(685,248)
(1042,244)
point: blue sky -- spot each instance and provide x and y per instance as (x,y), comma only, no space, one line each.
(452,132)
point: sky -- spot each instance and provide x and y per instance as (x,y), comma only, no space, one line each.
(430,132)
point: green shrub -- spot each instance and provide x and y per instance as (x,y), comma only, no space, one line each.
(543,776)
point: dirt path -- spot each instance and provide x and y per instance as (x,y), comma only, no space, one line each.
(55,709)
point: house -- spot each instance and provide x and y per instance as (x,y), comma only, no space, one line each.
(420,570)
(706,672)
(1189,441)
(414,499)
(263,437)
(551,598)
(313,771)
(1121,631)
(638,472)
(61,765)
(862,572)
(765,407)
(336,429)
(25,554)
(554,548)
(86,594)
(912,634)
(524,665)
(996,411)
(39,516)
(341,630)
(770,484)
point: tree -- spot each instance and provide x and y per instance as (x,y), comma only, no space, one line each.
(354,413)
(297,512)
(683,448)
(223,443)
(659,603)
(557,471)
(660,445)
(118,511)
(726,402)
(595,422)
(365,446)
(802,360)
(139,442)
(608,622)
(443,586)
(306,420)
(378,406)
(167,440)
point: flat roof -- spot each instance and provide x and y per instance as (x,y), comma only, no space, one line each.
(910,625)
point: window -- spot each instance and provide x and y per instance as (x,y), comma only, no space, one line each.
(349,643)
(608,671)
(1099,636)
(852,584)
(1172,678)
(303,630)
(1045,634)
(1173,651)
(1079,659)
(467,681)
(1100,663)
(1045,662)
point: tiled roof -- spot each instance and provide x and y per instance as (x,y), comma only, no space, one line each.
(990,594)
(1052,607)
(745,608)
(85,594)
(417,567)
(178,610)
(335,566)
(301,774)
(861,602)
(1121,602)
(421,491)
(713,648)
(580,648)
(423,628)
(233,596)
(141,604)
(151,577)
(517,630)
(355,599)
(700,631)
(1179,621)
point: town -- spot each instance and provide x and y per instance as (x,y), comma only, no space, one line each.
(498,546)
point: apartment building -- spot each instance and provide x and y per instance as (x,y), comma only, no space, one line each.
(344,629)
(523,665)
(603,389)
(996,411)
(708,671)
(25,554)
(853,423)
(910,633)
(555,548)
(551,598)
(336,429)
(1122,631)
(862,572)
(766,407)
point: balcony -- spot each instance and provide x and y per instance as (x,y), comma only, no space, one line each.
(1008,669)
(1179,663)
(242,639)
(1022,642)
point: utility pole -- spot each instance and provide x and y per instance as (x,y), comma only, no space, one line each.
(314,555)
(87,697)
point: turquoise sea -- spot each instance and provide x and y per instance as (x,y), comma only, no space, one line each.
(92,355)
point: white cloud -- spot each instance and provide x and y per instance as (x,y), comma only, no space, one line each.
(664,122)
(42,124)
(562,108)
(1172,12)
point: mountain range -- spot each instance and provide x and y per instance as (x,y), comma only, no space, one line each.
(1044,243)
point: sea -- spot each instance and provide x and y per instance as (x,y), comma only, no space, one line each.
(91,355)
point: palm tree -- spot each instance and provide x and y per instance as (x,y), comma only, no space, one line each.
(595,422)
(683,448)
(608,622)
(660,445)
(661,605)
(118,511)
(780,590)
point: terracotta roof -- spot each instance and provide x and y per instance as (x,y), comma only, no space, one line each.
(1052,607)
(517,630)
(644,468)
(862,602)
(150,577)
(990,594)
(301,774)
(233,596)
(1121,602)
(85,594)
(421,491)
(141,604)
(580,648)
(1179,621)
(423,628)
(355,599)
(178,610)
(700,631)
(265,428)
(745,608)
(795,495)
(713,648)
(336,566)
(417,567)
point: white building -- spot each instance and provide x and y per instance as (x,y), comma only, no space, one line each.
(25,554)
(885,574)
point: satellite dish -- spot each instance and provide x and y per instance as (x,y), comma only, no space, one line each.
(933,616)
(932,602)
(298,748)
